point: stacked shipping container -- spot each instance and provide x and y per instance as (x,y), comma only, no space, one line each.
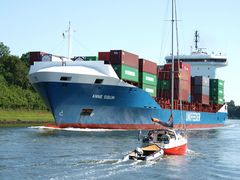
(128,67)
(182,81)
(200,89)
(148,76)
(216,91)
(157,80)
(124,63)
(163,83)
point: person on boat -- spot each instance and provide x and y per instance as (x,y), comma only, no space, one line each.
(150,136)
(165,138)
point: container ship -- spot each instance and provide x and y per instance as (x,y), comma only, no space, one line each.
(119,90)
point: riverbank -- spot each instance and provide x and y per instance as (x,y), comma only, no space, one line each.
(15,118)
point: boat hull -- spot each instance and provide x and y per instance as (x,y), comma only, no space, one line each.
(178,150)
(114,107)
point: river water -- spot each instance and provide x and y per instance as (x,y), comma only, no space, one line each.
(32,153)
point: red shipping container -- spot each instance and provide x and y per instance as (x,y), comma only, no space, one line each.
(182,65)
(168,74)
(182,80)
(204,99)
(36,56)
(120,57)
(159,69)
(185,69)
(186,75)
(168,67)
(147,66)
(164,75)
(184,85)
(104,56)
(182,74)
(183,94)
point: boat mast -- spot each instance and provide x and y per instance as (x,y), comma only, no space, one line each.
(178,63)
(172,89)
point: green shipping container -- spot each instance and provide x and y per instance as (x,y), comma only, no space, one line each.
(126,73)
(163,84)
(91,58)
(217,83)
(216,100)
(216,92)
(146,78)
(152,90)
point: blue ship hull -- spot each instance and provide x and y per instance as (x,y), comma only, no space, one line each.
(114,107)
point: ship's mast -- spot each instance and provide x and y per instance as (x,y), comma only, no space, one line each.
(69,31)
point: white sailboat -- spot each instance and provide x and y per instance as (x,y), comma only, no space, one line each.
(172,141)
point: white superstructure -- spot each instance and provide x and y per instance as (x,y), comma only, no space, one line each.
(202,64)
(89,72)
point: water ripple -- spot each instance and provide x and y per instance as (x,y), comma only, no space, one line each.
(37,153)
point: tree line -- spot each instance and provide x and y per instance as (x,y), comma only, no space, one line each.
(233,111)
(16,91)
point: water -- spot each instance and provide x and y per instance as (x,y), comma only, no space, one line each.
(27,153)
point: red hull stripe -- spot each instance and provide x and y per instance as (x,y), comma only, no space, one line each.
(180,150)
(133,126)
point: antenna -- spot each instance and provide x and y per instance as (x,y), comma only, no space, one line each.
(196,40)
(69,31)
(69,40)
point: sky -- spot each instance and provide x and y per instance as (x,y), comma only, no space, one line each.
(138,26)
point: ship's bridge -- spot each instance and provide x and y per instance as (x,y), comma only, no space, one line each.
(202,64)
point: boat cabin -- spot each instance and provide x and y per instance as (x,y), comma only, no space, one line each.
(160,136)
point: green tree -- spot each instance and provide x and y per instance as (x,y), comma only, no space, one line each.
(4,50)
(15,88)
(233,111)
(25,59)
(14,71)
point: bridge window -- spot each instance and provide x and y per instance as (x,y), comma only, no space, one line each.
(98,81)
(65,78)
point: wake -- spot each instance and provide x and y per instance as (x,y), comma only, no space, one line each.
(73,129)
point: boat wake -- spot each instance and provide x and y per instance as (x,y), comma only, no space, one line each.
(190,152)
(193,153)
(97,162)
(73,129)
(230,126)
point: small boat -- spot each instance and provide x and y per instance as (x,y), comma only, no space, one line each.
(173,142)
(147,153)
